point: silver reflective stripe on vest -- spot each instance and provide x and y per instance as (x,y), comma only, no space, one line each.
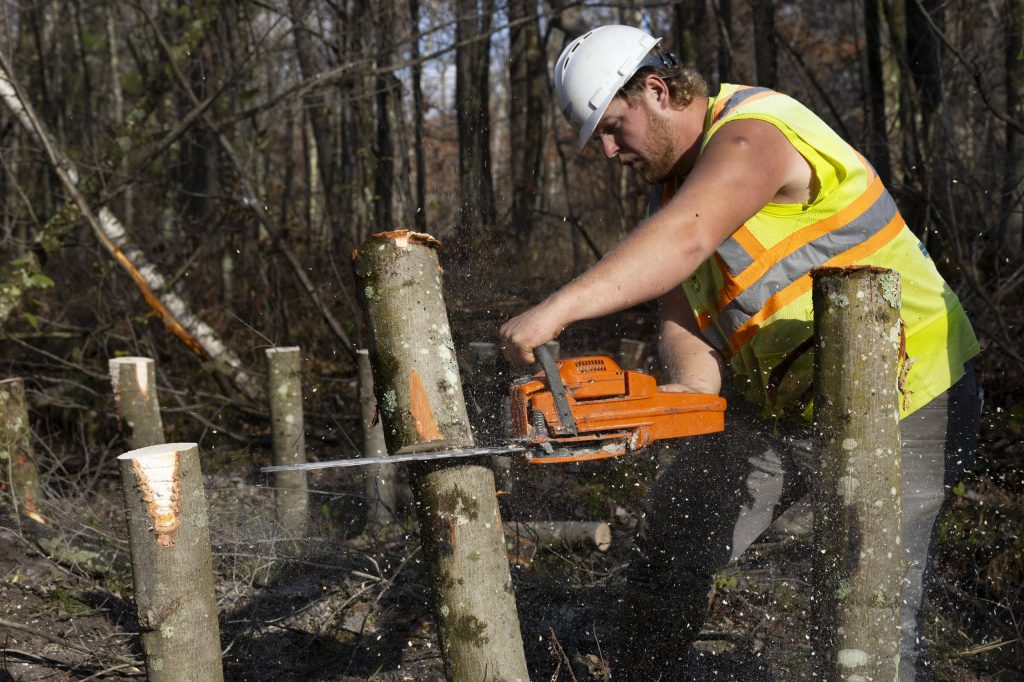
(715,338)
(734,256)
(738,99)
(803,260)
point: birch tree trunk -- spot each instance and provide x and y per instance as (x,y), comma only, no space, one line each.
(421,404)
(20,473)
(858,558)
(135,395)
(175,313)
(25,271)
(172,565)
(284,388)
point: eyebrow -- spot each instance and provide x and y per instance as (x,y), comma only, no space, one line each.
(602,125)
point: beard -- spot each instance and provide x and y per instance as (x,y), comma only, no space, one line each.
(657,163)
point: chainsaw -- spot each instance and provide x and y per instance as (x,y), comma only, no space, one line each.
(574,410)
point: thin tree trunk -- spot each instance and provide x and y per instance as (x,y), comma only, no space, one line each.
(1011,223)
(878,145)
(473,117)
(20,473)
(724,40)
(858,567)
(417,120)
(765,54)
(689,35)
(284,388)
(383,147)
(381,480)
(172,564)
(319,113)
(419,392)
(528,92)
(135,394)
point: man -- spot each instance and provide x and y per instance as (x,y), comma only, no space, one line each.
(754,192)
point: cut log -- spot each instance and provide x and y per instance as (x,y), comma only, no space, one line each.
(569,534)
(135,396)
(172,565)
(20,470)
(858,558)
(418,389)
(284,389)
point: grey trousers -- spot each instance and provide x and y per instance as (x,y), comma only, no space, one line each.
(722,491)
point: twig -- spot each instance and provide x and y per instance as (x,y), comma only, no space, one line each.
(556,648)
(45,635)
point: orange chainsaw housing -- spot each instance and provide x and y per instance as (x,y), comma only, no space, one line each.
(616,411)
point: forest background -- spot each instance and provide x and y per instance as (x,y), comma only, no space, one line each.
(186,181)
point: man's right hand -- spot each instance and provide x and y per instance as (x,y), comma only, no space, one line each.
(538,325)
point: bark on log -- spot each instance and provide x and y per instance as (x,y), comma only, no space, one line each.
(584,534)
(284,388)
(135,395)
(172,566)
(858,558)
(421,403)
(381,484)
(20,472)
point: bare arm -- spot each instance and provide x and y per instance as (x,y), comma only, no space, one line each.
(693,365)
(746,165)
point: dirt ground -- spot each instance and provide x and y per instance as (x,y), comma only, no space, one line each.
(344,606)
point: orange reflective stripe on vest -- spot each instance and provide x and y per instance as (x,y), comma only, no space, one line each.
(750,283)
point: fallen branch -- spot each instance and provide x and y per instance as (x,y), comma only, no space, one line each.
(171,308)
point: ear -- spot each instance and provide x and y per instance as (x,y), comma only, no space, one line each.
(658,89)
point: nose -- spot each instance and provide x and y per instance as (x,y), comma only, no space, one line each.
(611,149)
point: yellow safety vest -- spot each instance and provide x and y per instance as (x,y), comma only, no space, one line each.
(752,299)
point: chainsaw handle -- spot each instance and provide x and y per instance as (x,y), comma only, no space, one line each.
(550,367)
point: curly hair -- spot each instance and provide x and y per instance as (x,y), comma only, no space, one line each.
(684,83)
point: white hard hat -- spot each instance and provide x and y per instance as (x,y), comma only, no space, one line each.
(593,67)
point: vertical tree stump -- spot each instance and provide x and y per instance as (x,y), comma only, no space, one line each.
(421,404)
(135,396)
(858,558)
(381,484)
(284,389)
(172,566)
(19,470)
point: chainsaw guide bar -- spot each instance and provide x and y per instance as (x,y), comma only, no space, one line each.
(575,410)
